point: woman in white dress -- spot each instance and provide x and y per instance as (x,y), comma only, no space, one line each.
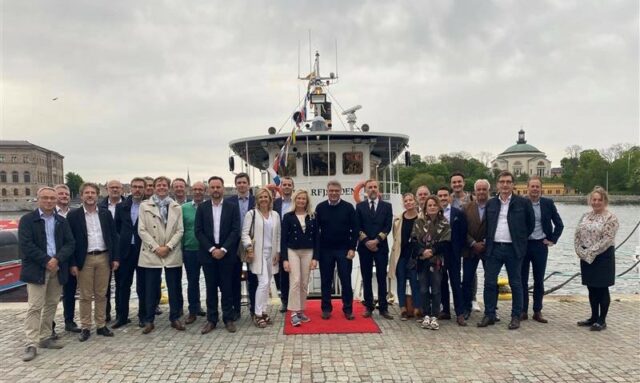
(261,239)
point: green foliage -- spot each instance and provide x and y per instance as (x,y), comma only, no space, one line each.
(73,182)
(435,173)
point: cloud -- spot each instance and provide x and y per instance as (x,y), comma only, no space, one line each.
(158,87)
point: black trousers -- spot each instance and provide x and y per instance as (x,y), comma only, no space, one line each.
(451,274)
(69,298)
(219,274)
(124,280)
(282,283)
(367,259)
(329,259)
(252,286)
(152,280)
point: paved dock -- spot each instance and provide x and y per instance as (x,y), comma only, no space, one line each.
(555,352)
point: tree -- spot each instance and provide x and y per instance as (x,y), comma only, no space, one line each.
(73,182)
(485,158)
(425,179)
(573,151)
(592,170)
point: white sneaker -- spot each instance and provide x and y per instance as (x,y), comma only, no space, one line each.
(434,324)
(426,322)
(475,306)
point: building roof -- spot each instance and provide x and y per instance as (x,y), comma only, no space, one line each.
(25,144)
(521,146)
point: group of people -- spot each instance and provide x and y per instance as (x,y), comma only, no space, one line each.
(438,243)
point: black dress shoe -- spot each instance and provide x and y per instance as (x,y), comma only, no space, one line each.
(466,315)
(190,319)
(514,324)
(207,328)
(586,322)
(598,326)
(230,326)
(367,314)
(524,316)
(349,316)
(386,315)
(71,327)
(202,313)
(104,331)
(444,316)
(141,324)
(486,321)
(84,335)
(177,325)
(326,315)
(460,320)
(539,318)
(148,328)
(119,323)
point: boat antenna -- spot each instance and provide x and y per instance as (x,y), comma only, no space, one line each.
(336,58)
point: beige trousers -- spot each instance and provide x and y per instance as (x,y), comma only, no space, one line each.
(93,281)
(299,263)
(42,304)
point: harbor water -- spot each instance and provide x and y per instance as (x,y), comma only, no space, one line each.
(562,258)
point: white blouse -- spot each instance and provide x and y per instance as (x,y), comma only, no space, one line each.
(595,233)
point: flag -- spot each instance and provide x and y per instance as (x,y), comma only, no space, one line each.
(293,136)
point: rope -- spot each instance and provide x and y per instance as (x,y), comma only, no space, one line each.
(629,236)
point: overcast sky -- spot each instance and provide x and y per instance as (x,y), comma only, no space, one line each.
(156,87)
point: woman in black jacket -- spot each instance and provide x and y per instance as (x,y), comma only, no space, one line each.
(298,241)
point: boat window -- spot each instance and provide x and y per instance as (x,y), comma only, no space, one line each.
(290,169)
(352,163)
(319,164)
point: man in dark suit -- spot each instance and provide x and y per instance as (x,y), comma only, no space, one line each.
(452,261)
(95,255)
(114,197)
(46,245)
(217,228)
(510,222)
(374,218)
(474,211)
(336,245)
(245,202)
(129,249)
(547,230)
(282,205)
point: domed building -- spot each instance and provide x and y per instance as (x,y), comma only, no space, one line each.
(523,158)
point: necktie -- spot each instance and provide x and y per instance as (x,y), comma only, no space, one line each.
(373,208)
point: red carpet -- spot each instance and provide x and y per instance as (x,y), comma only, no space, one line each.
(337,324)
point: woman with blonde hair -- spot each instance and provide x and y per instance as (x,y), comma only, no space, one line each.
(298,242)
(595,246)
(401,265)
(261,239)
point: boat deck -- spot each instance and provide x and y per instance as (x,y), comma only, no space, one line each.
(556,352)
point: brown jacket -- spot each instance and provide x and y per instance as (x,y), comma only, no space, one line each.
(476,227)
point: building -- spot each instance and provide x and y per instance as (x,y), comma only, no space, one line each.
(25,167)
(523,158)
(548,189)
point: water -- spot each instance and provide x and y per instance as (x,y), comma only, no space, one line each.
(562,257)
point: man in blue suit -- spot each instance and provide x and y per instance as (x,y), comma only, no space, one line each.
(548,228)
(282,205)
(453,260)
(217,228)
(245,202)
(510,222)
(374,218)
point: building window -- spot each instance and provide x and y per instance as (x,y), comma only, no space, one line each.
(4,192)
(27,192)
(517,168)
(319,164)
(1,157)
(25,159)
(15,192)
(352,163)
(14,177)
(3,176)
(14,158)
(27,177)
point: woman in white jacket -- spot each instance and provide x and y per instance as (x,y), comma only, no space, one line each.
(261,239)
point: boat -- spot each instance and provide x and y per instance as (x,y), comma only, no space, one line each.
(10,263)
(313,152)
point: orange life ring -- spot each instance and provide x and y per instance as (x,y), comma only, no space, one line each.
(275,189)
(356,191)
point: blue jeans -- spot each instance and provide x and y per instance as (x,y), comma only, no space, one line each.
(328,261)
(192,267)
(502,254)
(402,274)
(537,253)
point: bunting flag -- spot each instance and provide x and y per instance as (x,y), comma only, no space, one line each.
(293,136)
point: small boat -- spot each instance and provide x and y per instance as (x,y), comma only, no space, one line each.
(10,263)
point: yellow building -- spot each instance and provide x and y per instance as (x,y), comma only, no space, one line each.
(549,188)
